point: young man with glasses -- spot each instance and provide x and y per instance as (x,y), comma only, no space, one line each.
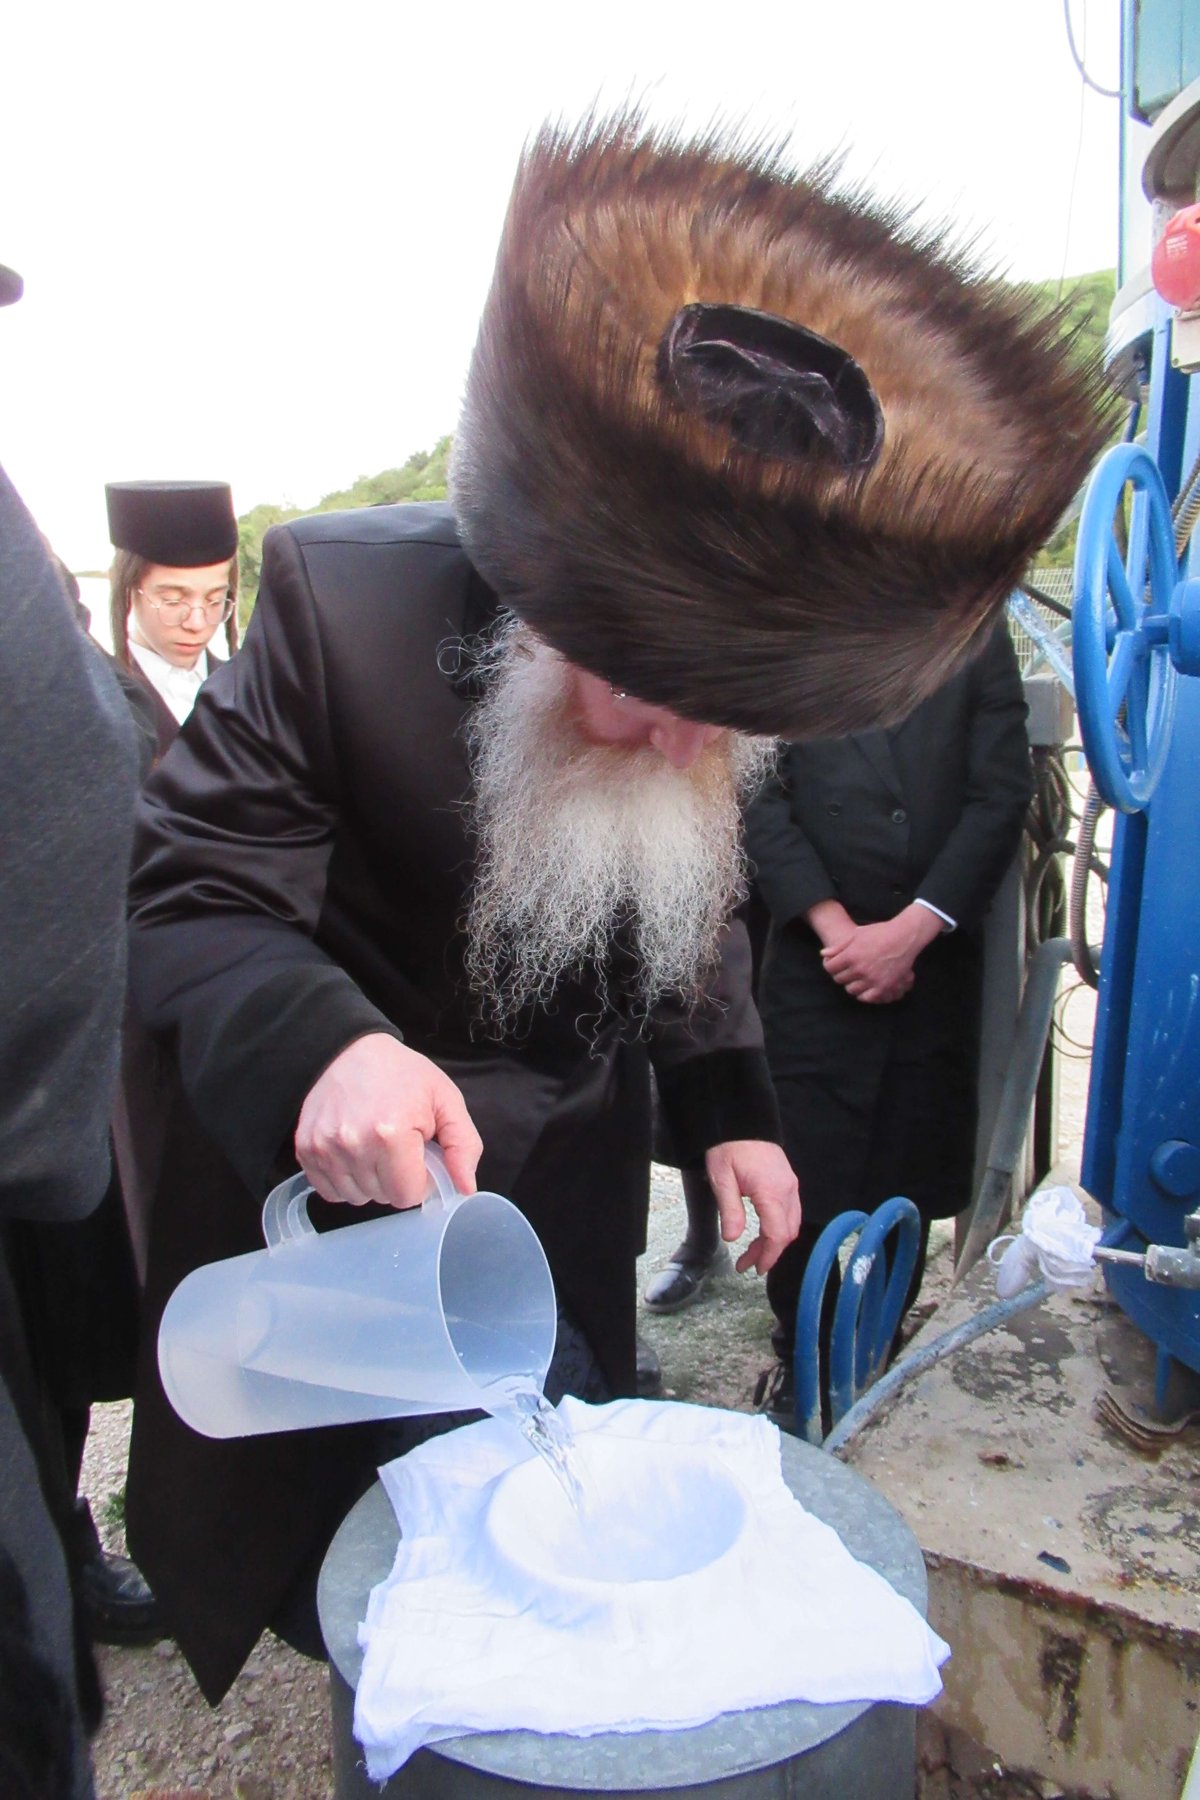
(173,583)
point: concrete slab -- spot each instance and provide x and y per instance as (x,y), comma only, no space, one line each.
(1064,1564)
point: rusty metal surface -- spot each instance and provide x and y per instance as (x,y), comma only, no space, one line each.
(1064,1562)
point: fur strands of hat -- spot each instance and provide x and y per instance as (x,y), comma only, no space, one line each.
(749,446)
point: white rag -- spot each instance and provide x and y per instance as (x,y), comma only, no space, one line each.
(458,1638)
(1056,1240)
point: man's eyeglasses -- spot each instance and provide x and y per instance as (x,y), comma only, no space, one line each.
(177,607)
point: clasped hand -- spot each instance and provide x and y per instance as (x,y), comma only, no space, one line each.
(875,962)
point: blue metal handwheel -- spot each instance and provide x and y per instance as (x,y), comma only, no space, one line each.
(1124,674)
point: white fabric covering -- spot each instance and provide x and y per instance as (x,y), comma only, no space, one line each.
(177,687)
(462,1637)
(1056,1240)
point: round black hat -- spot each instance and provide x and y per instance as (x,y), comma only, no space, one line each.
(180,524)
(11,286)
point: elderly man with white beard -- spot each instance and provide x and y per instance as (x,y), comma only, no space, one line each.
(448,851)
(596,816)
(409,875)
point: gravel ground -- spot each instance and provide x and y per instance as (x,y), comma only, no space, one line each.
(268,1740)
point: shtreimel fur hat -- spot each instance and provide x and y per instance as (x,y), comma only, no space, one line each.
(749,447)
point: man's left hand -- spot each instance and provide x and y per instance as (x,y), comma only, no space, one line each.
(875,964)
(763,1174)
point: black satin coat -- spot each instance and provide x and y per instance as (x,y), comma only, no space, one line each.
(302,866)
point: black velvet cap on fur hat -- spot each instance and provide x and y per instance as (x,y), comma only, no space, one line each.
(180,524)
(751,447)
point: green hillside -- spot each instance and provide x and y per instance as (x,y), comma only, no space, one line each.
(1088,298)
(422,477)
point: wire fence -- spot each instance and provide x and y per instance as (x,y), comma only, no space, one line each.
(1058,584)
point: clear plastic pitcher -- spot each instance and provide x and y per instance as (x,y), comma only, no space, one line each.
(421,1312)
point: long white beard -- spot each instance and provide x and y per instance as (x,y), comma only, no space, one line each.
(578,843)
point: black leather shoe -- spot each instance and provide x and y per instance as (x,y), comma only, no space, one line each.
(117,1602)
(775,1395)
(682,1280)
(649,1371)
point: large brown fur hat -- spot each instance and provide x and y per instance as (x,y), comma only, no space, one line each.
(750,447)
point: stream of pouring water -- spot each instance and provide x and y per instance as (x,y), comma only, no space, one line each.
(520,1401)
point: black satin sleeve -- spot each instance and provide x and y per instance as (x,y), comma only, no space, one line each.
(709,1062)
(234,835)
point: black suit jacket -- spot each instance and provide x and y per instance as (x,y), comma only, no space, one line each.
(67,777)
(303,863)
(932,809)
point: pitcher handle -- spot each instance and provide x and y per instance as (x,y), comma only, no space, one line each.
(285,1211)
(285,1217)
(444,1191)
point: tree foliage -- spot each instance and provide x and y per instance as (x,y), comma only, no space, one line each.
(1086,300)
(422,477)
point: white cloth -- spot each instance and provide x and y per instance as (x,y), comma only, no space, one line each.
(456,1640)
(177,687)
(1056,1240)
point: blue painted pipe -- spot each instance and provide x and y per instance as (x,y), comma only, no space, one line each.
(806,1358)
(869,1308)
(901,1373)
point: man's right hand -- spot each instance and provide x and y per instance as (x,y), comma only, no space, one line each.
(367,1119)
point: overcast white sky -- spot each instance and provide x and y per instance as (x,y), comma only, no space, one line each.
(256,236)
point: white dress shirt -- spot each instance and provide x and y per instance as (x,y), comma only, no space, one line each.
(177,687)
(948,923)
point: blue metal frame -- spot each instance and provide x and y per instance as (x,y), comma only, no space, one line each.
(1144,1094)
